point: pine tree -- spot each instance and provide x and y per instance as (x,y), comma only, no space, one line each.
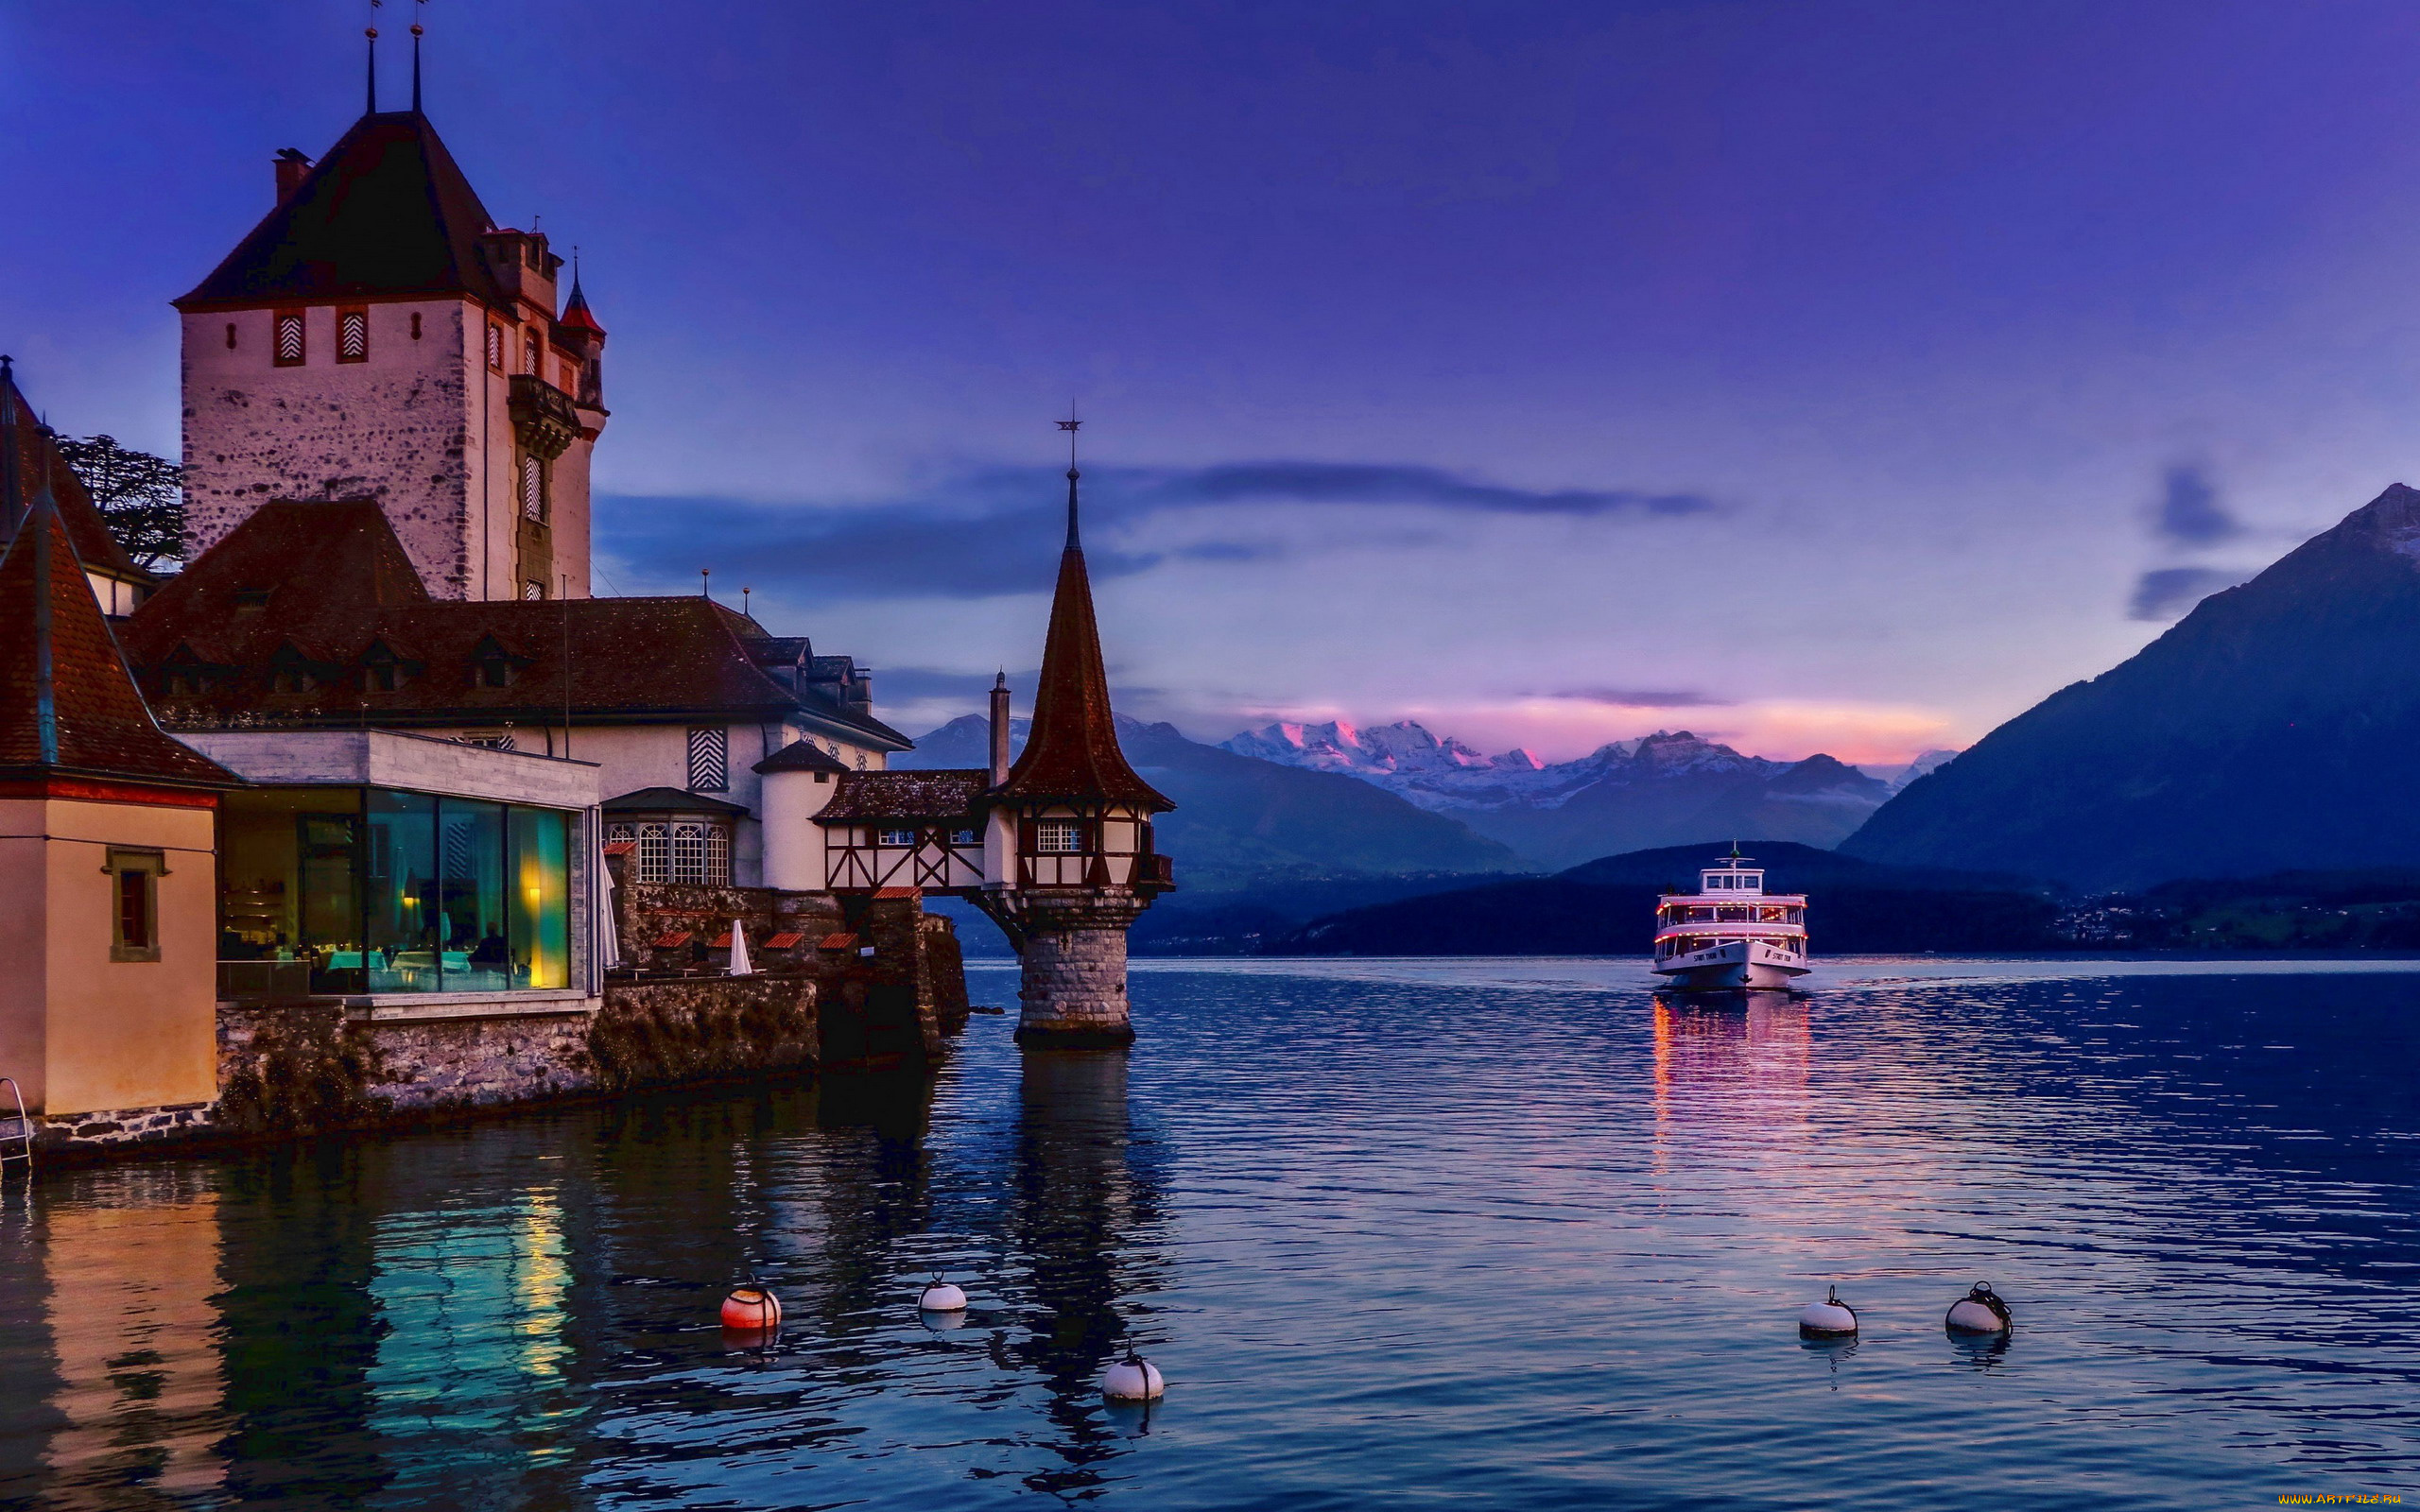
(141,497)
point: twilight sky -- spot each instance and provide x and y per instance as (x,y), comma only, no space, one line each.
(1817,375)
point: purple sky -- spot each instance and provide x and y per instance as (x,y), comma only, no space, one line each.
(1826,376)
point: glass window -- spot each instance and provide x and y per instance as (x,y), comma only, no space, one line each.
(473,954)
(655,853)
(895,837)
(1058,837)
(400,893)
(541,935)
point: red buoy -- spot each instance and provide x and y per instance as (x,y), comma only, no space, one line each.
(751,1307)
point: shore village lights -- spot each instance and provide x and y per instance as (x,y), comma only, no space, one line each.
(377,750)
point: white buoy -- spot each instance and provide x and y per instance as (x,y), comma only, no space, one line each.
(1830,1319)
(1979,1310)
(1133,1379)
(940,1296)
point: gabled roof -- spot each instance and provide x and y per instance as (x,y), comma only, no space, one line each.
(387,211)
(801,756)
(331,580)
(40,466)
(939,793)
(67,706)
(1072,751)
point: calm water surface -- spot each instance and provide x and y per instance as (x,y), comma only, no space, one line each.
(1484,1233)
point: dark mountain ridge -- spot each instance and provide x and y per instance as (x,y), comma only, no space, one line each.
(2263,733)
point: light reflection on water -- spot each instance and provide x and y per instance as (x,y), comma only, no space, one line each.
(1509,1233)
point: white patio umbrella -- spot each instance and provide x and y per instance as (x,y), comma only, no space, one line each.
(740,965)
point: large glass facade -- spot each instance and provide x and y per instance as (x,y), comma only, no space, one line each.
(381,891)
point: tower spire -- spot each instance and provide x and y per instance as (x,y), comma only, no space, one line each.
(11,496)
(416,36)
(1071,426)
(371,96)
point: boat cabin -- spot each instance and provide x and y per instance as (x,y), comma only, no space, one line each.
(1730,906)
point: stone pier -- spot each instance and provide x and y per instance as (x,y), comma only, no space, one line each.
(1074,980)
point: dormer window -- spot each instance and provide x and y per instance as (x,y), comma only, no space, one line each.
(184,675)
(492,665)
(382,670)
(287,346)
(251,599)
(352,335)
(291,671)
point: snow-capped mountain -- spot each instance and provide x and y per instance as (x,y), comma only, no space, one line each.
(1669,788)
(1900,775)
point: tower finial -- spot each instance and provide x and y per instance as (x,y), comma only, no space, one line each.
(372,32)
(416,36)
(1071,426)
(11,501)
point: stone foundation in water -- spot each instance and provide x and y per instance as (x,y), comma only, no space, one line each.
(319,1065)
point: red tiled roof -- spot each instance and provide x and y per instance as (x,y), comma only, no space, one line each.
(620,848)
(898,892)
(836,942)
(939,793)
(320,584)
(577,315)
(79,713)
(39,464)
(784,940)
(1072,751)
(387,211)
(668,941)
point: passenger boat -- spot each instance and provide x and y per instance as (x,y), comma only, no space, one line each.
(1731,934)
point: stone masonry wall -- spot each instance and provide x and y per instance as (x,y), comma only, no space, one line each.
(1073,987)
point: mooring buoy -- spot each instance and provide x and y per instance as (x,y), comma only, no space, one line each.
(940,1296)
(751,1307)
(1981,1310)
(1830,1319)
(1133,1379)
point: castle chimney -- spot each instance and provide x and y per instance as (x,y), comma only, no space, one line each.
(1000,731)
(291,166)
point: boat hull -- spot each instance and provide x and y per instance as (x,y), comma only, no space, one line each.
(1732,967)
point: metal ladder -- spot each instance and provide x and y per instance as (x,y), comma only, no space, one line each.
(16,1130)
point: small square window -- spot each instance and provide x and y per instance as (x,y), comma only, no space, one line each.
(895,837)
(962,837)
(352,335)
(288,348)
(134,899)
(533,592)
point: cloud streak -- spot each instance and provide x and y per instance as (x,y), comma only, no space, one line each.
(2189,513)
(990,532)
(1639,697)
(2166,593)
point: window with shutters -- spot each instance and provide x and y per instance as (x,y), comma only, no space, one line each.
(709,759)
(495,347)
(288,342)
(352,335)
(533,488)
(530,349)
(533,590)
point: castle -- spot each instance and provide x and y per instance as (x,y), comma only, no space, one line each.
(447,783)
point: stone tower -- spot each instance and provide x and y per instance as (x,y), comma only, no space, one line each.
(1068,852)
(378,336)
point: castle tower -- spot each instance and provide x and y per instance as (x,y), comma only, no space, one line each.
(378,336)
(1069,851)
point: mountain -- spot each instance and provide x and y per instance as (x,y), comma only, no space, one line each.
(1898,775)
(1607,907)
(1240,823)
(1662,789)
(2267,731)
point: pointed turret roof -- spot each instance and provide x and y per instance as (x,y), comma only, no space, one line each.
(577,313)
(387,211)
(67,706)
(1072,750)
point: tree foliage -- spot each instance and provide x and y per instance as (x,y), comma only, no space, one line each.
(141,497)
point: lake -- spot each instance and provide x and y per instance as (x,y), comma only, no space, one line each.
(1480,1233)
